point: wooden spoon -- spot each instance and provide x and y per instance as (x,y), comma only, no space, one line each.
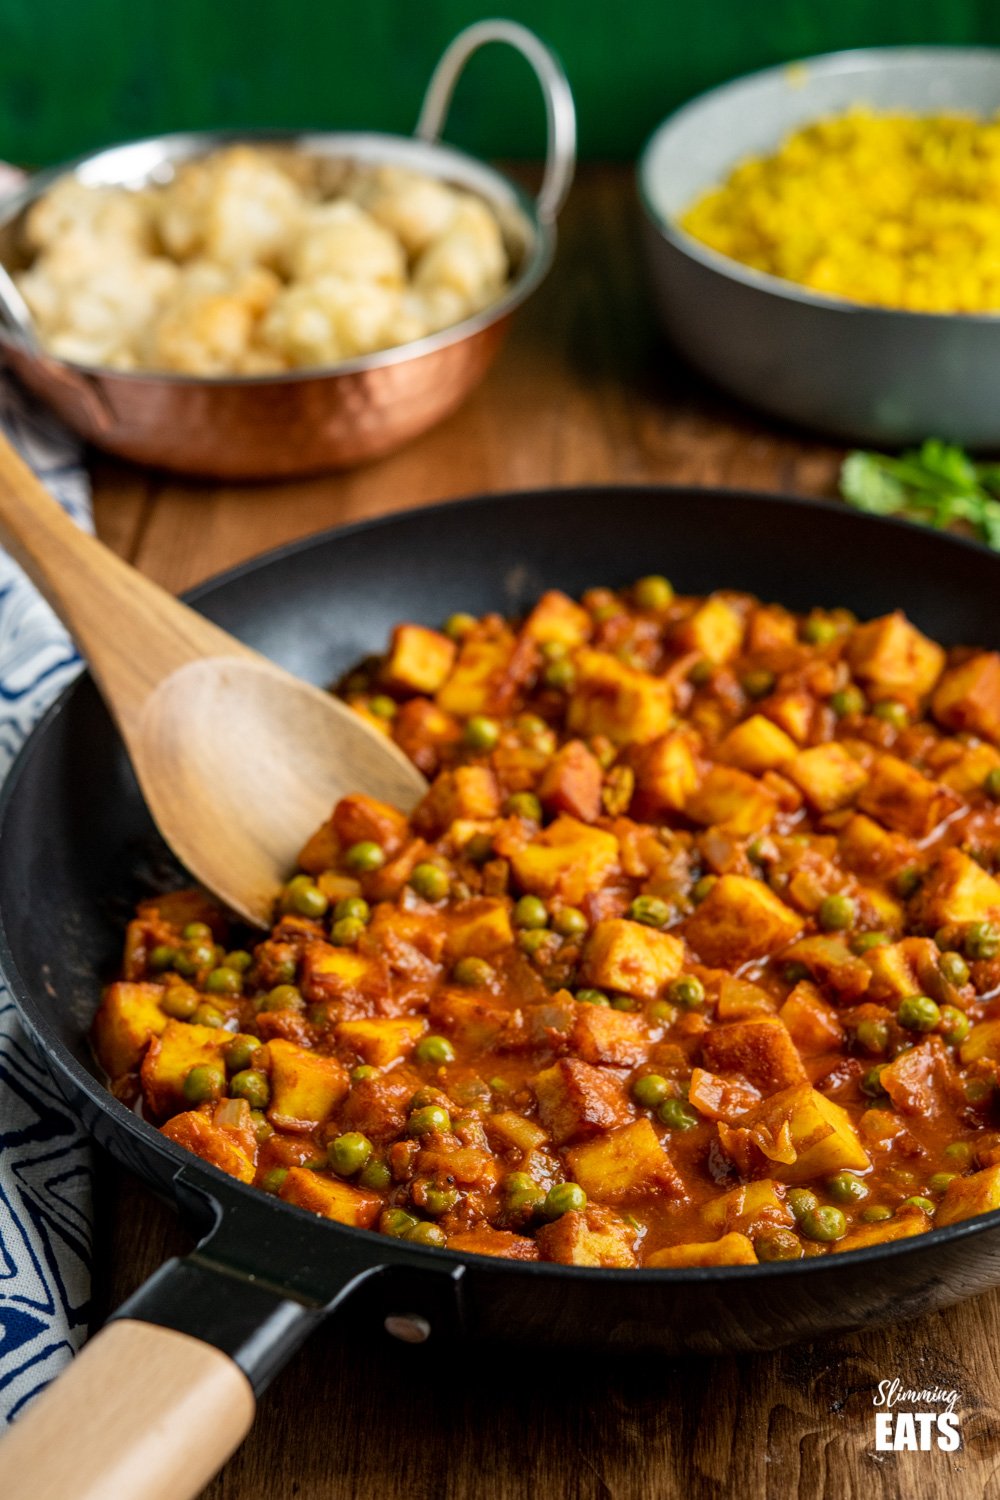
(238,760)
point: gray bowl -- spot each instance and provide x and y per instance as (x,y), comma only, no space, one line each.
(865,374)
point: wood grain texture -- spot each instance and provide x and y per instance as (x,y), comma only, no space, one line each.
(585,392)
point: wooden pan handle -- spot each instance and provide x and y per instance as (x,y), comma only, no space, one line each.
(142,1413)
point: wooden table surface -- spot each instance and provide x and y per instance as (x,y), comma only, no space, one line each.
(585,391)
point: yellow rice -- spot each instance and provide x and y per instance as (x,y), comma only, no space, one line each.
(891,209)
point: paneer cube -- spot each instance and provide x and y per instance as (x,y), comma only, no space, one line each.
(757,745)
(572,783)
(499,1242)
(812,1024)
(170,1057)
(619,701)
(827,775)
(331,1198)
(419,660)
(715,630)
(740,919)
(893,659)
(901,798)
(800,1134)
(567,859)
(968,697)
(383,1041)
(752,1205)
(464,1164)
(422,731)
(957,890)
(321,851)
(595,1237)
(222,1148)
(306,1087)
(869,849)
(739,1000)
(577,1101)
(968,771)
(602,1035)
(129,1016)
(470,1019)
(359,818)
(900,1227)
(731,1250)
(760,1050)
(624,1163)
(831,962)
(967,1196)
(331,973)
(557,618)
(772,631)
(733,801)
(484,675)
(983,1041)
(627,956)
(478,928)
(465,792)
(667,775)
(508,1128)
(903,968)
(793,712)
(915,1080)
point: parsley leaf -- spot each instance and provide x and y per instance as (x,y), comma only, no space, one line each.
(936,484)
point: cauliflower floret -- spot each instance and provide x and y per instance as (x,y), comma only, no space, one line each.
(340,239)
(235,208)
(209,326)
(415,208)
(331,318)
(117,219)
(468,260)
(98,317)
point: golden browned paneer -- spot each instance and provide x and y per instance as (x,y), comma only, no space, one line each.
(903,799)
(812,1024)
(967,773)
(480,680)
(902,968)
(760,1050)
(572,783)
(623,1163)
(795,713)
(772,630)
(595,1237)
(196,1132)
(576,1100)
(869,849)
(320,852)
(306,1087)
(739,999)
(757,745)
(740,919)
(983,1041)
(603,1035)
(383,1041)
(752,1205)
(666,775)
(967,1196)
(472,1020)
(568,859)
(556,617)
(498,1242)
(465,1164)
(827,776)
(128,1017)
(831,962)
(359,818)
(622,702)
(714,630)
(508,1128)
(331,1198)
(731,1250)
(957,889)
(798,1134)
(465,792)
(968,696)
(893,659)
(422,731)
(901,1226)
(419,660)
(627,956)
(733,801)
(330,973)
(478,929)
(181,1046)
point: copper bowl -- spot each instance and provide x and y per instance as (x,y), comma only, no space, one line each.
(277,426)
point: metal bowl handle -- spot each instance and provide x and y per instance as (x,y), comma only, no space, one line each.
(560,151)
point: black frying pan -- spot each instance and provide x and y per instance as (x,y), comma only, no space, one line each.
(76,842)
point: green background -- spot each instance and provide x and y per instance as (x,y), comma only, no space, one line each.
(75,74)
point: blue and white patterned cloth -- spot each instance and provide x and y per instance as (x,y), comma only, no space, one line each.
(45,1163)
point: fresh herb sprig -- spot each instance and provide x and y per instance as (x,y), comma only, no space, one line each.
(937,484)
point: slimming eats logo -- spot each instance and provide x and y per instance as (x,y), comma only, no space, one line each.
(899,1428)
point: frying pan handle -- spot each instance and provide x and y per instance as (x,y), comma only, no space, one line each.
(560,113)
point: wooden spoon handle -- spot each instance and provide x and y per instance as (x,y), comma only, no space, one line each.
(142,1413)
(132,633)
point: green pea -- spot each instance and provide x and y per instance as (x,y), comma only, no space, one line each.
(955,1025)
(653,592)
(432,1118)
(823,1224)
(661,1010)
(758,682)
(844,1187)
(524,805)
(959,1152)
(240,1052)
(891,712)
(382,706)
(837,912)
(624,1002)
(274,1180)
(436,1050)
(352,909)
(346,932)
(162,957)
(650,911)
(396,1222)
(284,969)
(953,968)
(873,1035)
(908,882)
(430,881)
(650,1090)
(991,785)
(871,1083)
(239,959)
(877,1213)
(523,1195)
(283,997)
(530,912)
(303,896)
(262,1128)
(253,1086)
(801,1202)
(349,1153)
(363,1071)
(478,849)
(569,922)
(564,1198)
(224,981)
(866,941)
(780,1244)
(794,972)
(180,1002)
(675,1114)
(756,851)
(375,1175)
(592,997)
(559,675)
(938,1183)
(982,940)
(189,961)
(425,1096)
(197,932)
(423,1233)
(440,1200)
(474,972)
(688,992)
(819,632)
(531,727)
(365,856)
(458,625)
(207,1015)
(924,1204)
(481,734)
(203,1083)
(918,1013)
(700,674)
(850,700)
(703,888)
